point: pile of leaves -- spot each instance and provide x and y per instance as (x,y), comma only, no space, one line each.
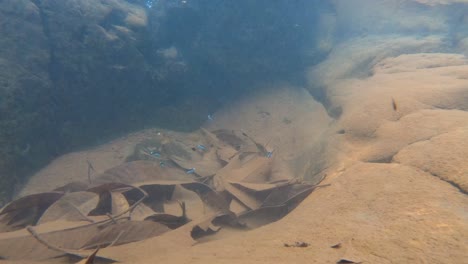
(203,181)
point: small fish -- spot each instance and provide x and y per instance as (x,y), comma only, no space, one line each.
(269,154)
(201,147)
(162,164)
(210,117)
(118,67)
(155,154)
(394,105)
(191,171)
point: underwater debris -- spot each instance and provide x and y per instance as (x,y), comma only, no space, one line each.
(347,261)
(90,169)
(299,244)
(140,199)
(90,258)
(26,211)
(394,105)
(336,246)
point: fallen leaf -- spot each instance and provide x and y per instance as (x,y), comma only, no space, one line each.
(288,194)
(72,187)
(171,221)
(119,203)
(243,197)
(141,212)
(26,210)
(71,207)
(125,232)
(90,258)
(262,216)
(344,261)
(139,171)
(336,246)
(205,227)
(209,196)
(111,199)
(20,244)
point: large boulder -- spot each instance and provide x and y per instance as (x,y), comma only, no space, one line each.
(24,90)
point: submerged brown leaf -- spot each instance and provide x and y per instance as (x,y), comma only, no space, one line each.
(90,258)
(125,232)
(141,212)
(140,171)
(71,207)
(26,210)
(119,203)
(209,196)
(72,187)
(262,216)
(247,199)
(67,236)
(288,194)
(171,221)
(205,227)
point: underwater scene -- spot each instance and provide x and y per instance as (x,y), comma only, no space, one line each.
(233,131)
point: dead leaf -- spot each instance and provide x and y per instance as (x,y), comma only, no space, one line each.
(125,232)
(119,203)
(205,227)
(247,199)
(141,212)
(72,258)
(90,258)
(288,194)
(72,187)
(157,195)
(111,198)
(336,246)
(255,169)
(344,261)
(140,171)
(26,210)
(258,187)
(205,166)
(171,221)
(71,207)
(237,140)
(262,216)
(209,196)
(225,173)
(21,244)
(181,149)
(224,152)
(237,208)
